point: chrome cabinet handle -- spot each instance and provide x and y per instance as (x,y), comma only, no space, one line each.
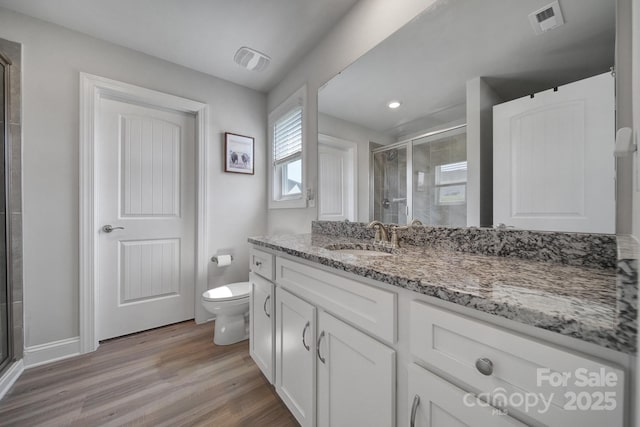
(304,333)
(414,409)
(109,228)
(264,307)
(322,359)
(484,366)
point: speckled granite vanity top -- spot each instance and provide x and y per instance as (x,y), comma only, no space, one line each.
(577,301)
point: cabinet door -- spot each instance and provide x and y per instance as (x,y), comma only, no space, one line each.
(261,324)
(295,355)
(435,402)
(356,377)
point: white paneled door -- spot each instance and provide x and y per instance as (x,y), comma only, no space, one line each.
(146,217)
(553,164)
(337,179)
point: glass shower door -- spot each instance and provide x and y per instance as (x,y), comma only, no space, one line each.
(440,179)
(390,185)
(5,302)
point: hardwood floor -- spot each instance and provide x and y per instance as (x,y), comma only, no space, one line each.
(171,376)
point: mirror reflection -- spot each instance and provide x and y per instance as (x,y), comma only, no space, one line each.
(477,114)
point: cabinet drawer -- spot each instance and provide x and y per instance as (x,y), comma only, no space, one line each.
(261,263)
(435,402)
(371,309)
(519,366)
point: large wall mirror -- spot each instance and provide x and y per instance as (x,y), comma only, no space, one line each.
(477,113)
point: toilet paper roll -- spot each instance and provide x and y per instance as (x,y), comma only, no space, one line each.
(223,260)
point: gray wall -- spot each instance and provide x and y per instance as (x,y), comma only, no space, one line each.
(480,101)
(624,114)
(53,57)
(364,26)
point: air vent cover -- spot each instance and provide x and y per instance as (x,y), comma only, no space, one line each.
(547,18)
(251,59)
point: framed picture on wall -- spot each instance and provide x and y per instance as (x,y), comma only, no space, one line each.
(239,152)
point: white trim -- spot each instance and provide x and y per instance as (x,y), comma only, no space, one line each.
(10,377)
(91,89)
(51,352)
(299,97)
(346,145)
(635,43)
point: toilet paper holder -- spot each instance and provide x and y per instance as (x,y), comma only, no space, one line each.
(215,258)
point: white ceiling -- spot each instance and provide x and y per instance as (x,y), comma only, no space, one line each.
(201,34)
(427,63)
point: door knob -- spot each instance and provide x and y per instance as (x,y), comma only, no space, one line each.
(109,228)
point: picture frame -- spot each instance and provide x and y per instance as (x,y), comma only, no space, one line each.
(239,153)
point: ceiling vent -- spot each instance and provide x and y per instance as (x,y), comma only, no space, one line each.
(547,18)
(251,59)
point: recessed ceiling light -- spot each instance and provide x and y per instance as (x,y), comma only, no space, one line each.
(394,104)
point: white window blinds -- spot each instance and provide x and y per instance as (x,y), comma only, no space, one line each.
(287,136)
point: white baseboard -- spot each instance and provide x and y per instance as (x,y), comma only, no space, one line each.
(51,352)
(10,377)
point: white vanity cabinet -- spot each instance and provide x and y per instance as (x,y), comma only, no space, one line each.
(542,384)
(296,356)
(332,373)
(348,352)
(261,309)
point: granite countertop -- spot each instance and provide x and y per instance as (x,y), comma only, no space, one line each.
(576,301)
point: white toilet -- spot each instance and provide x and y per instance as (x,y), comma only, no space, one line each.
(230,304)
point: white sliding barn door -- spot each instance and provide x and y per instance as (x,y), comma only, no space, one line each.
(337,179)
(553,164)
(146,185)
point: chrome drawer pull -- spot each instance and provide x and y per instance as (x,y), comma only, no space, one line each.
(304,333)
(318,349)
(414,409)
(484,366)
(266,300)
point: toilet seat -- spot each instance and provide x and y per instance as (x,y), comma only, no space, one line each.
(230,292)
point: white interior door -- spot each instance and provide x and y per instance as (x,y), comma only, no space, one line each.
(337,182)
(553,164)
(146,192)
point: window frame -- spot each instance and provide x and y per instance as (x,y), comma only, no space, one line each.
(277,200)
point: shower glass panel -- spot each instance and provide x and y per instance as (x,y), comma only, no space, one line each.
(5,353)
(440,179)
(390,186)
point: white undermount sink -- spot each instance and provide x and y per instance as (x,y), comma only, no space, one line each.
(362,252)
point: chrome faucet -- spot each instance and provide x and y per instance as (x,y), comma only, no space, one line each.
(382,236)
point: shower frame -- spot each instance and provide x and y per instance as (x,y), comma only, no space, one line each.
(408,144)
(6,63)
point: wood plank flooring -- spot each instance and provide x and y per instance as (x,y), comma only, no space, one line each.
(171,376)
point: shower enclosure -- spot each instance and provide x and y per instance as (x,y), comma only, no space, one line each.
(423,179)
(6,340)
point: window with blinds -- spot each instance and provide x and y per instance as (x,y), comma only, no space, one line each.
(286,127)
(287,136)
